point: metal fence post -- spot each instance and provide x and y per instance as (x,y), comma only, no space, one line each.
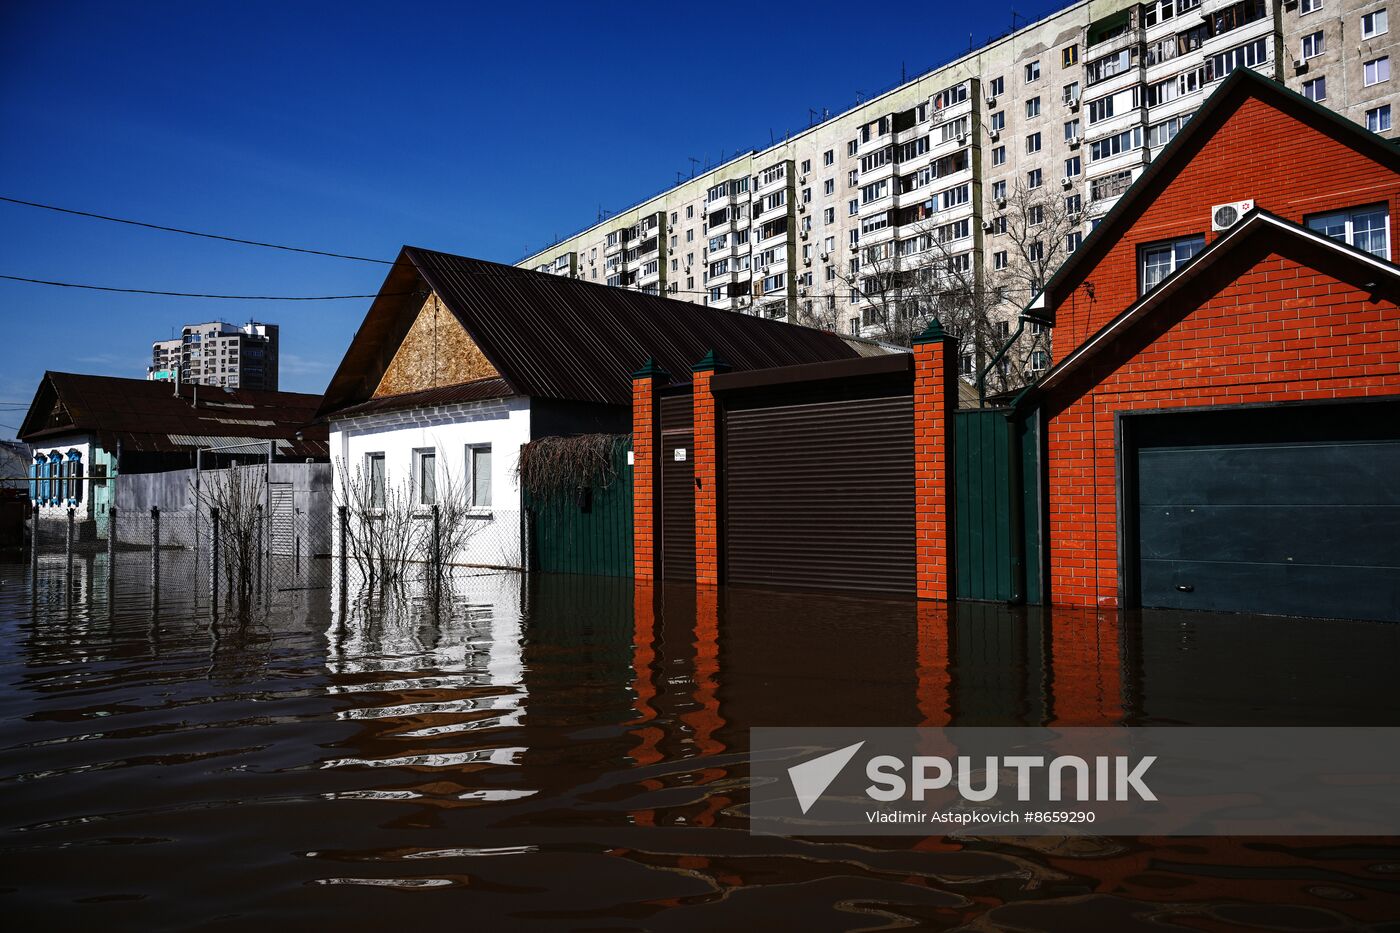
(111,539)
(344,537)
(68,543)
(34,545)
(155,547)
(258,532)
(437,551)
(214,557)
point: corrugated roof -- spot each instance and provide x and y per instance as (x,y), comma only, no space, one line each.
(552,337)
(150,416)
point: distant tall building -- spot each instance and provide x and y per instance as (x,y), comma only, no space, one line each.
(1002,160)
(218,354)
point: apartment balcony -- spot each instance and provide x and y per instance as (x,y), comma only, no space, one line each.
(951,112)
(760,188)
(888,170)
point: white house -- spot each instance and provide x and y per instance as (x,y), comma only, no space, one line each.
(460,362)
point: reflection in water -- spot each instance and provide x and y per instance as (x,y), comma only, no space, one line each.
(568,752)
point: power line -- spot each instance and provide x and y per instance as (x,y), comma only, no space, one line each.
(246,242)
(207,236)
(152,291)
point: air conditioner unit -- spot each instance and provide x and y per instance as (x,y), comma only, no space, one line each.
(802,180)
(987,226)
(1074,142)
(1073,104)
(991,101)
(802,208)
(1300,64)
(855,247)
(802,292)
(993,135)
(1225,216)
(807,261)
(962,139)
(825,256)
(1000,202)
(805,234)
(1066,182)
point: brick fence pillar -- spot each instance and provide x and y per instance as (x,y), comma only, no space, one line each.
(706,444)
(646,467)
(935,401)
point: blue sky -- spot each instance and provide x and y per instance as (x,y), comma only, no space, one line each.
(359,127)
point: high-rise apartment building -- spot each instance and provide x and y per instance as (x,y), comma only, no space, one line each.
(985,172)
(219,354)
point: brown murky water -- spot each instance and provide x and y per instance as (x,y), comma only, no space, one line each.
(568,753)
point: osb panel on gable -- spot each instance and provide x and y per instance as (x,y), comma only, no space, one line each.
(437,351)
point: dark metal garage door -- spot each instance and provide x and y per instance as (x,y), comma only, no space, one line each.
(1289,511)
(677,489)
(819,492)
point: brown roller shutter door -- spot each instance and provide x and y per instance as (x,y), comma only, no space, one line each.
(821,494)
(677,489)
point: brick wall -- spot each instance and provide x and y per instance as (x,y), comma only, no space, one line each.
(1276,331)
(646,435)
(706,454)
(1291,167)
(935,400)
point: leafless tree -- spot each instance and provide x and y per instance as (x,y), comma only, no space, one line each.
(930,271)
(237,493)
(388,527)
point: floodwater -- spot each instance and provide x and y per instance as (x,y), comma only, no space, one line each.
(568,753)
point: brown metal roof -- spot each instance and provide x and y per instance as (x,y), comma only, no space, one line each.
(552,337)
(150,416)
(475,391)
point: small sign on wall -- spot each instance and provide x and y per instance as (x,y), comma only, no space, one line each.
(631,458)
(679,454)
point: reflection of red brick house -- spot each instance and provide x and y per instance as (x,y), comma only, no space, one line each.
(1222,430)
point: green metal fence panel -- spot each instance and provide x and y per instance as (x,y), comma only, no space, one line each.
(587,530)
(1029,427)
(983,505)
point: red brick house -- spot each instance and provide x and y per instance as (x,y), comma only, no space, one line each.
(1223,431)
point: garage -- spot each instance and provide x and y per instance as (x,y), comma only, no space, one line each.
(1285,510)
(819,482)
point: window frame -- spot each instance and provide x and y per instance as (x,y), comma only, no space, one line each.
(420,500)
(1349,215)
(1177,262)
(469,458)
(1376,63)
(378,486)
(1382,12)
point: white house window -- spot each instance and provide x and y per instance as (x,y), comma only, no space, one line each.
(425,475)
(479,475)
(1316,89)
(1313,44)
(1033,71)
(1374,24)
(1160,260)
(1308,6)
(1377,70)
(1366,228)
(1378,119)
(374,475)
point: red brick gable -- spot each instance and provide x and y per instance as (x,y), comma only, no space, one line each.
(1274,328)
(1290,159)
